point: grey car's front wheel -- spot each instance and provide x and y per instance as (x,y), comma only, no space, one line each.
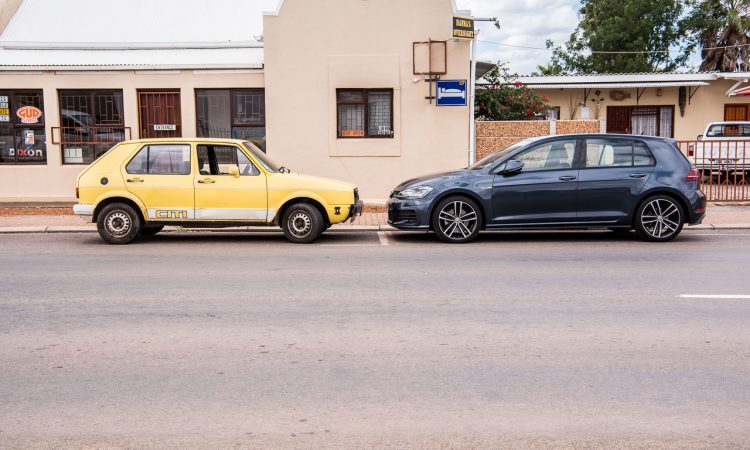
(457,220)
(118,223)
(659,219)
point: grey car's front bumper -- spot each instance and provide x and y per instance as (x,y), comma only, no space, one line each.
(409,214)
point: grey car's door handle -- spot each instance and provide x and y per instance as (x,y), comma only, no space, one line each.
(567,178)
(638,175)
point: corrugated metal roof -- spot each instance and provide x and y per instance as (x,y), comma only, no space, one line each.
(618,85)
(160,34)
(233,58)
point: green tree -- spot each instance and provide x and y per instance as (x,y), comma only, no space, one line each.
(505,98)
(623,36)
(722,29)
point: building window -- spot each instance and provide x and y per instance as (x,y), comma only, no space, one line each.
(641,120)
(735,112)
(22,136)
(91,123)
(232,113)
(364,113)
(553,113)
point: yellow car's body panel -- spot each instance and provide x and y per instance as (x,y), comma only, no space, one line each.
(189,191)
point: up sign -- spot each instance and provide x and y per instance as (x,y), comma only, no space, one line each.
(463,27)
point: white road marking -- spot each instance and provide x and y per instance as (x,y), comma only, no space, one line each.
(383,238)
(714,296)
(350,245)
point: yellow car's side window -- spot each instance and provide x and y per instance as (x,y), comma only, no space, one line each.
(161,160)
(219,159)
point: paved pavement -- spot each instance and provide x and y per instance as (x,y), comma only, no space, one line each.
(375,340)
(717,217)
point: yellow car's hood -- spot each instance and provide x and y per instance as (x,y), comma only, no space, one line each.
(302,181)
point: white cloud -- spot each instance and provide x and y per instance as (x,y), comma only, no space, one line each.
(526,23)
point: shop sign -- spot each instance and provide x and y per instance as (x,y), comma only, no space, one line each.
(3,99)
(29,114)
(352,133)
(28,137)
(451,93)
(165,127)
(463,27)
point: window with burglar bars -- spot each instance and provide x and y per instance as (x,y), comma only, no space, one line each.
(92,122)
(364,113)
(232,113)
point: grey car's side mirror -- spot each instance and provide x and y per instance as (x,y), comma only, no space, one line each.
(511,167)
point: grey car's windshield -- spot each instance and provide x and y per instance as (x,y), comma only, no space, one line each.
(491,159)
(261,157)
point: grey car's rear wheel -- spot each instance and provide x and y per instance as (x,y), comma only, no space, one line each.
(659,218)
(457,220)
(302,223)
(118,223)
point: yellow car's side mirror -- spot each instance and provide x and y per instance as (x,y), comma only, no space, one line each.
(234,171)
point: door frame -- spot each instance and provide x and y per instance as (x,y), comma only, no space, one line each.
(165,91)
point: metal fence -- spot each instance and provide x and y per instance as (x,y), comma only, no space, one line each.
(724,167)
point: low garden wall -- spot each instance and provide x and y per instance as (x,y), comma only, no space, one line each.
(492,136)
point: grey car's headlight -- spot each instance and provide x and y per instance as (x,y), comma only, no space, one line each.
(414,192)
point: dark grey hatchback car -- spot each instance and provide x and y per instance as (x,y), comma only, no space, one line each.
(621,182)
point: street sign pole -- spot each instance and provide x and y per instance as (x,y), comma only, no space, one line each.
(472,122)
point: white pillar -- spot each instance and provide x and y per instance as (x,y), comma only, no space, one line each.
(472,122)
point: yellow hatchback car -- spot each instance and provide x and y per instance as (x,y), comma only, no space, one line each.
(139,186)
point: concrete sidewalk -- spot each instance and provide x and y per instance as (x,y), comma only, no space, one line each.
(717,217)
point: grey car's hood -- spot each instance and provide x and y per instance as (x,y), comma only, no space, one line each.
(432,179)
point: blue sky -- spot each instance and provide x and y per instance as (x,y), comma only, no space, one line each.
(526,23)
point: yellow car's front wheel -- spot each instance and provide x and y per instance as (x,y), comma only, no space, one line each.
(302,223)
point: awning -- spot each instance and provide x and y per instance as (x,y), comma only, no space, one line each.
(738,92)
(619,85)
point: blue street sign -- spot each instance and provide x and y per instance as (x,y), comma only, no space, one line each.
(451,93)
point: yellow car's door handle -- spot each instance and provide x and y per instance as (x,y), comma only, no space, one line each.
(135,180)
(206,181)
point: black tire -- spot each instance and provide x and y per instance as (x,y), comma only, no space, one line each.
(453,227)
(151,230)
(302,223)
(659,218)
(118,224)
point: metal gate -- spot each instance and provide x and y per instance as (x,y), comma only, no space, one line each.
(724,167)
(618,119)
(160,115)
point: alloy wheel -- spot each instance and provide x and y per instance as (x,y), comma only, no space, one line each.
(661,218)
(457,220)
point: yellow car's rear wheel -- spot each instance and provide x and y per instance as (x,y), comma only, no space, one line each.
(118,223)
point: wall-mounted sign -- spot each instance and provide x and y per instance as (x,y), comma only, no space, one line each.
(451,93)
(3,99)
(29,114)
(463,27)
(165,127)
(353,133)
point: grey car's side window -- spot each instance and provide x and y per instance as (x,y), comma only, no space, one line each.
(555,155)
(617,153)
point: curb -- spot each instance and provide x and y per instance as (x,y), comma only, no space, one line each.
(79,229)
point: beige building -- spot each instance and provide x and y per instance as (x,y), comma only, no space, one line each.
(336,88)
(675,105)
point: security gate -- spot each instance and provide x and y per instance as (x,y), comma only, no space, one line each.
(160,115)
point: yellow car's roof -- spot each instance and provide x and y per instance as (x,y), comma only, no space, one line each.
(183,140)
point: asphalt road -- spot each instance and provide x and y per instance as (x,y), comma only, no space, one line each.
(365,340)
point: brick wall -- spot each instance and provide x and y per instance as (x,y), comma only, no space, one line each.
(492,136)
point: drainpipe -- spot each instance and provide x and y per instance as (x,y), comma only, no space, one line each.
(472,122)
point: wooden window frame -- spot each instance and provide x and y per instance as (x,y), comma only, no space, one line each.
(366,117)
(746,106)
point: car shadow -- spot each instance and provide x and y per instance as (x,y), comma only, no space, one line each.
(521,236)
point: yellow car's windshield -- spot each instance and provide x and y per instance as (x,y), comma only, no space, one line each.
(262,157)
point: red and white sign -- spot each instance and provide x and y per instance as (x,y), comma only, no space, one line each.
(29,114)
